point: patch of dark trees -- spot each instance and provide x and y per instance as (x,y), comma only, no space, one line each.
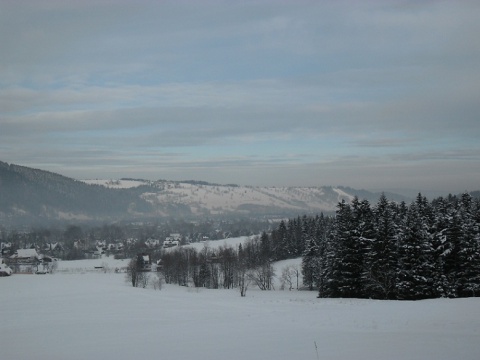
(394,251)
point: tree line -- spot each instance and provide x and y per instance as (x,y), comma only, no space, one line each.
(224,267)
(251,263)
(394,251)
(390,250)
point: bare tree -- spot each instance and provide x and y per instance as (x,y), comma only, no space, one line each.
(286,278)
(243,277)
(262,276)
(290,275)
(133,272)
(243,280)
(296,272)
(143,279)
(157,281)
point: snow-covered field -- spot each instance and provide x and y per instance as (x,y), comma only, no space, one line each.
(215,244)
(99,316)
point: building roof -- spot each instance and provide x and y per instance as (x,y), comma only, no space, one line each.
(25,253)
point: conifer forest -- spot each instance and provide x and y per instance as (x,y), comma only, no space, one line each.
(389,250)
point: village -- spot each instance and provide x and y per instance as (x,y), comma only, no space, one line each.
(44,259)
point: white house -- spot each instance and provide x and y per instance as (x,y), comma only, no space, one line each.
(25,256)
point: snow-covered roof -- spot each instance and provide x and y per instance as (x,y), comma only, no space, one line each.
(25,253)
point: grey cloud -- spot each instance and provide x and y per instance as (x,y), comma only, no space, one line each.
(117,83)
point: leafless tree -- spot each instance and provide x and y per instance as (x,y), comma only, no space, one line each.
(157,281)
(143,279)
(133,272)
(262,276)
(244,279)
(286,278)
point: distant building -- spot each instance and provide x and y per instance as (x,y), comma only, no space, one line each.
(25,256)
(172,240)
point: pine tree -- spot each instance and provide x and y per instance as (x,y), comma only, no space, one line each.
(450,255)
(310,263)
(381,257)
(468,271)
(347,268)
(280,241)
(322,236)
(442,209)
(416,271)
(364,235)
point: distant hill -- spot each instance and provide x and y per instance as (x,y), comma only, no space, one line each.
(31,196)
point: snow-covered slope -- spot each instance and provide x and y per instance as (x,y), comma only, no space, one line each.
(219,199)
(211,199)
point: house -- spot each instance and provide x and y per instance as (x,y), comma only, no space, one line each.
(151,243)
(24,261)
(54,249)
(170,243)
(172,240)
(144,262)
(6,248)
(99,251)
(25,256)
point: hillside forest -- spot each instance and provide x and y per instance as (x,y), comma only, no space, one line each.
(386,251)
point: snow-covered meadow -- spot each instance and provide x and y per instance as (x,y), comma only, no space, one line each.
(80,313)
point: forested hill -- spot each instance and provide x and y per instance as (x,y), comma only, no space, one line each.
(32,195)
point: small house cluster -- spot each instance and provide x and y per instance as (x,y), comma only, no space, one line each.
(29,261)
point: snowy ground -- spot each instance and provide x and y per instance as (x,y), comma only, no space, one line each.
(93,265)
(215,244)
(99,316)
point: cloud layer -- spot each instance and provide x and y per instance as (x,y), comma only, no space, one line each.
(378,95)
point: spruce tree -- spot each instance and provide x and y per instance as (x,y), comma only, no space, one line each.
(364,237)
(347,268)
(310,266)
(415,279)
(468,271)
(381,257)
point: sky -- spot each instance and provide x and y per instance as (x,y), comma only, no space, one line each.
(378,95)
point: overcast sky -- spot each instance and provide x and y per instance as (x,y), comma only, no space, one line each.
(368,94)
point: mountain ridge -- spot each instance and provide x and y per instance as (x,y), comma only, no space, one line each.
(29,195)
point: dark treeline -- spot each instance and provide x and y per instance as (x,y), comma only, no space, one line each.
(386,251)
(249,263)
(223,267)
(395,251)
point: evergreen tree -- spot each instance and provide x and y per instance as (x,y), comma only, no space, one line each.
(322,236)
(415,254)
(310,263)
(364,235)
(442,209)
(280,241)
(381,257)
(347,267)
(468,271)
